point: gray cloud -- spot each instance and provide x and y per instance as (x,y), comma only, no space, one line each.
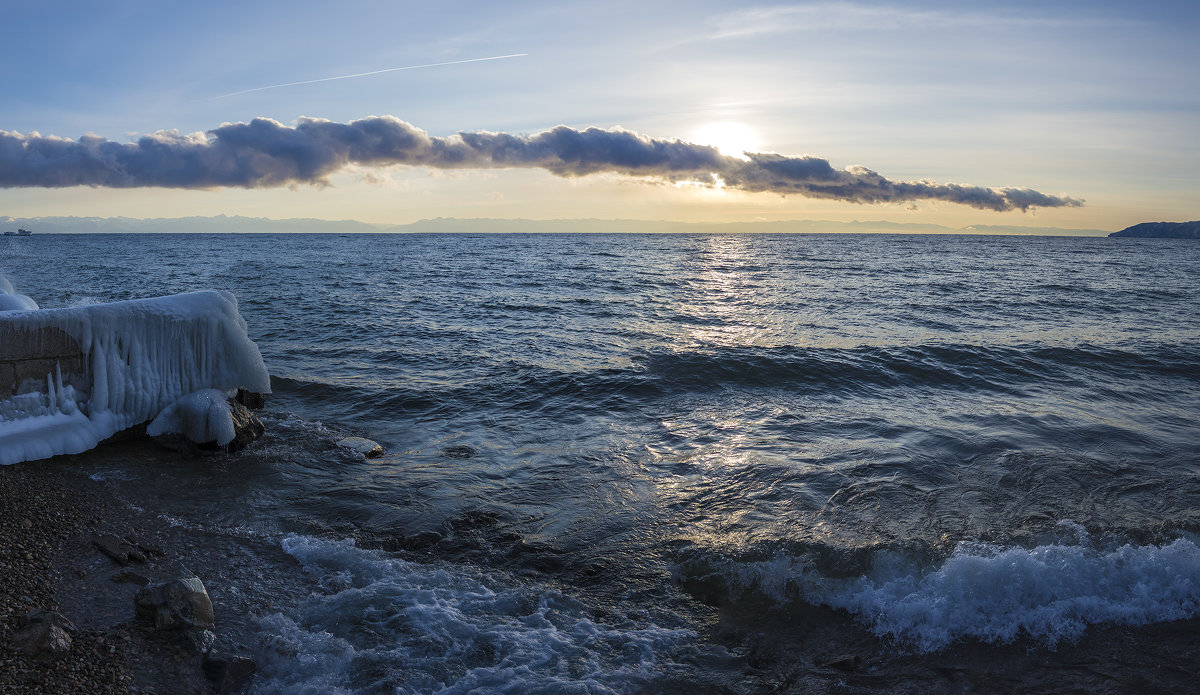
(265,153)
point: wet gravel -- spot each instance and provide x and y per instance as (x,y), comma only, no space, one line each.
(40,512)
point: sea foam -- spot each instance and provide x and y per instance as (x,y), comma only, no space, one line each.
(1050,593)
(379,623)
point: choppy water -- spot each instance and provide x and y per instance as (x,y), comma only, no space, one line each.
(596,441)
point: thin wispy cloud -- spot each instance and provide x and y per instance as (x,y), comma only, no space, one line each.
(265,153)
(367,74)
(826,16)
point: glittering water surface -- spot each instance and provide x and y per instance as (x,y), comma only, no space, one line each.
(587,433)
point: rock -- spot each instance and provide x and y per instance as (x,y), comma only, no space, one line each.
(120,550)
(44,635)
(129,577)
(845,662)
(250,399)
(151,549)
(246,428)
(198,641)
(227,671)
(176,604)
(364,446)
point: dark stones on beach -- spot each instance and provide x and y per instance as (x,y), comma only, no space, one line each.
(129,577)
(44,635)
(119,550)
(180,603)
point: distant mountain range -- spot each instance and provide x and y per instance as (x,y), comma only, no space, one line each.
(248,225)
(183,225)
(1162,230)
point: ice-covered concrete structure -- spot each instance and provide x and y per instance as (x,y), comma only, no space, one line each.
(72,377)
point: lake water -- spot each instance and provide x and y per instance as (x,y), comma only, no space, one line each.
(664,463)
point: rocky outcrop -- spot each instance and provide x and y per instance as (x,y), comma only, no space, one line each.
(1161,230)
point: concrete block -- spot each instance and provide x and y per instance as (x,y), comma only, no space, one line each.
(21,343)
(8,381)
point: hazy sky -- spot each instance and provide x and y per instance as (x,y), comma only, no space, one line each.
(1096,101)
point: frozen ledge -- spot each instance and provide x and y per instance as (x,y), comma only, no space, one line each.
(70,378)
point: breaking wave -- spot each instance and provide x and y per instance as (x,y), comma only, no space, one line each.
(989,592)
(378,623)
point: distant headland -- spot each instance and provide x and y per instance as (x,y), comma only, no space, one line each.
(1162,230)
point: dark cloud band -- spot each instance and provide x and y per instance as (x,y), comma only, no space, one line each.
(266,153)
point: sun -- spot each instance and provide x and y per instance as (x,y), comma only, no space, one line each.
(732,138)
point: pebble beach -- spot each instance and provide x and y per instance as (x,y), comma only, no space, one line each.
(41,513)
(54,516)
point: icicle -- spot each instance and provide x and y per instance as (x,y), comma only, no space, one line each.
(142,356)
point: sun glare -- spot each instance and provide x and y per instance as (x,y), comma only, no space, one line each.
(733,139)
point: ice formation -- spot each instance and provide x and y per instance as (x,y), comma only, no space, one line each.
(11,301)
(141,357)
(203,416)
(16,302)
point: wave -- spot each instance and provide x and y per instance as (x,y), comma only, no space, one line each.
(1011,371)
(989,592)
(869,370)
(378,623)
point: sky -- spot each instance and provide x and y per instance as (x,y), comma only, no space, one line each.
(1067,114)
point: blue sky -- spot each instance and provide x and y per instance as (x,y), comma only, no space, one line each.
(1097,101)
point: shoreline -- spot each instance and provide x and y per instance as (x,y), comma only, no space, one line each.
(803,648)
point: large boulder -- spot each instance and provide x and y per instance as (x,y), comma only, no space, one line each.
(177,604)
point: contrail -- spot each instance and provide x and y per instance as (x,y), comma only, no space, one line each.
(373,72)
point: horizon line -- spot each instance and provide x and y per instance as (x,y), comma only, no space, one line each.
(838,227)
